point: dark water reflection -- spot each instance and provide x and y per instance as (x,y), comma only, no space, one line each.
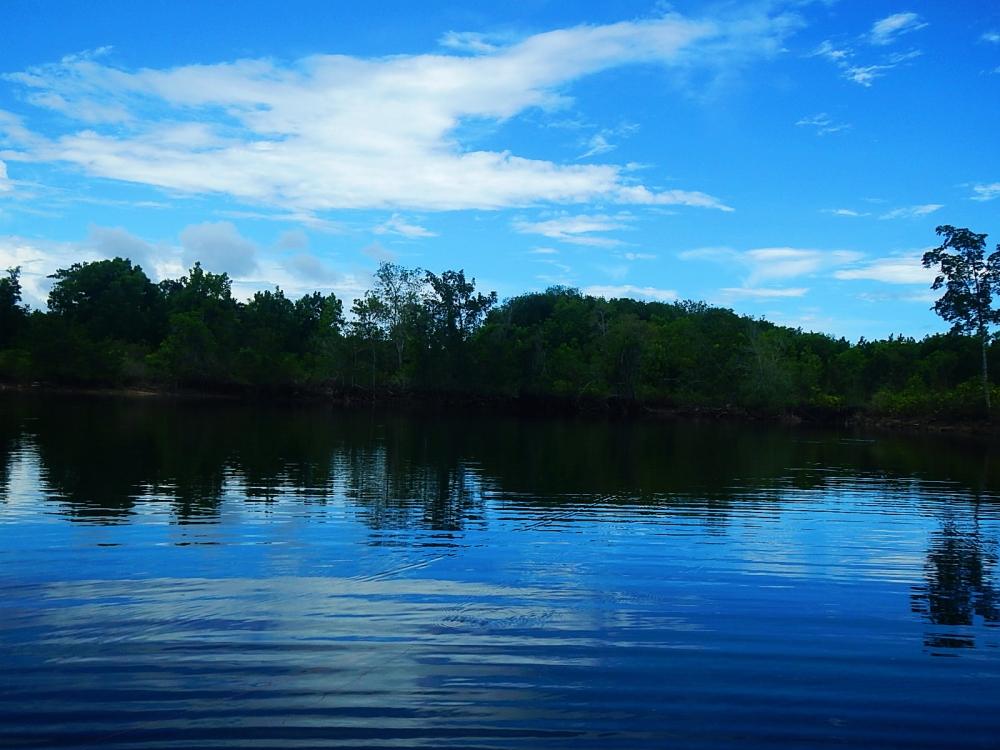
(206,575)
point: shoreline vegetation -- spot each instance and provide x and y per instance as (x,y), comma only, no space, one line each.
(421,338)
(438,402)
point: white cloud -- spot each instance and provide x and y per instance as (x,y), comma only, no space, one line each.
(887,30)
(769,263)
(639,195)
(543,251)
(638,256)
(600,142)
(766,264)
(116,242)
(845,212)
(219,247)
(37,260)
(764,292)
(577,230)
(302,273)
(986,192)
(377,251)
(835,55)
(5,185)
(912,212)
(718,254)
(293,239)
(902,269)
(865,75)
(296,217)
(993,37)
(308,267)
(635,292)
(468,41)
(338,132)
(396,224)
(561,267)
(823,123)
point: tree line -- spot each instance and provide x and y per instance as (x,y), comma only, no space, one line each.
(421,333)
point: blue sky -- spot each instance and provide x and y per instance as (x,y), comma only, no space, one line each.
(784,159)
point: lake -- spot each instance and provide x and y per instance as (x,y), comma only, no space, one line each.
(198,574)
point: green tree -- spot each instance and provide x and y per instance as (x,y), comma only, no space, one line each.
(453,311)
(12,313)
(110,299)
(365,332)
(969,281)
(397,291)
(202,328)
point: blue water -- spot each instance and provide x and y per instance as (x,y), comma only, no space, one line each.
(192,575)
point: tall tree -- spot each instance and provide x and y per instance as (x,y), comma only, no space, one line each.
(12,313)
(109,299)
(969,281)
(397,291)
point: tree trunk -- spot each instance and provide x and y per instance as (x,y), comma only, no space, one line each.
(986,380)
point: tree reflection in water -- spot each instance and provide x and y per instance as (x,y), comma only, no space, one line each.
(960,587)
(100,459)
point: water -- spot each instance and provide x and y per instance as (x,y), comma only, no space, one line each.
(205,575)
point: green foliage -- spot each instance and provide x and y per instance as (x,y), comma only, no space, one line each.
(12,313)
(109,299)
(418,331)
(969,280)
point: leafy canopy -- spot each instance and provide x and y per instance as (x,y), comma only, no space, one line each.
(969,280)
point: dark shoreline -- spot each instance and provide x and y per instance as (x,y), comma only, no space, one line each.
(437,402)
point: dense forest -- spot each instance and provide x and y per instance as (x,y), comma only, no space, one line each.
(422,334)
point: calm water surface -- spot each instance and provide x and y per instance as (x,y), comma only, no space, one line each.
(195,575)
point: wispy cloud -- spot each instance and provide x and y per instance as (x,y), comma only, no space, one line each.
(986,192)
(396,224)
(219,247)
(890,28)
(377,251)
(601,143)
(293,239)
(5,184)
(883,33)
(634,292)
(835,54)
(992,36)
(764,292)
(642,196)
(823,124)
(577,230)
(37,259)
(308,267)
(471,41)
(597,144)
(338,132)
(898,269)
(850,212)
(295,217)
(768,264)
(912,212)
(563,268)
(117,242)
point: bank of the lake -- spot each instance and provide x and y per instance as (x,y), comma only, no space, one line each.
(419,336)
(457,403)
